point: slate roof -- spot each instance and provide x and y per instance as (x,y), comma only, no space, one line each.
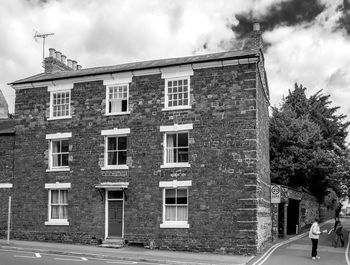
(138,66)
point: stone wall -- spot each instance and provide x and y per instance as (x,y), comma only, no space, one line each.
(263,162)
(308,210)
(223,212)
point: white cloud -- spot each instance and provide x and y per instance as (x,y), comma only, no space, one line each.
(108,32)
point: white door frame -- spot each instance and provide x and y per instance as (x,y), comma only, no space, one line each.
(106,212)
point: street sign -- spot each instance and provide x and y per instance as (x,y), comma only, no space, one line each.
(275,194)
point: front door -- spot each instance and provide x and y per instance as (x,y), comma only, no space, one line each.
(115,216)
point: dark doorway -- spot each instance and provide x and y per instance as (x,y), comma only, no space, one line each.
(292,216)
(115,218)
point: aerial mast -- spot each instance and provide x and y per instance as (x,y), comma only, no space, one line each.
(43,36)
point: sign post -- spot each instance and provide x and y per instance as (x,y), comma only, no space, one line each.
(9,222)
(8,186)
(275,194)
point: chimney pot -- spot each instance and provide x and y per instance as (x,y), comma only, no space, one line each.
(79,67)
(74,65)
(63,58)
(256,26)
(52,52)
(69,63)
(58,55)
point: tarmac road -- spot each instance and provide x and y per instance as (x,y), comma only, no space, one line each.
(299,251)
(14,257)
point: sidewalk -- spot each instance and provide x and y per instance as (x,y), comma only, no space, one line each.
(127,253)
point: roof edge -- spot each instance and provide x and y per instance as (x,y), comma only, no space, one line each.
(162,63)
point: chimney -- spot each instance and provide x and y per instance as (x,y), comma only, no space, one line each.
(52,52)
(256,26)
(74,65)
(63,58)
(254,41)
(58,62)
(69,63)
(58,55)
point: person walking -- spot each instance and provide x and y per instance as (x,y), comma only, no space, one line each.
(314,235)
(338,210)
(338,230)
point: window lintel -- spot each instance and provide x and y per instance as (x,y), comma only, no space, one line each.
(58,136)
(176,127)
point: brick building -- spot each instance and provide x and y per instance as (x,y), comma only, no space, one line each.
(7,144)
(170,153)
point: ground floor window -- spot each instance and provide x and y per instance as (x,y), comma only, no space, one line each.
(57,206)
(175,204)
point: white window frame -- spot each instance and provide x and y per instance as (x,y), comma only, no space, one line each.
(113,133)
(175,74)
(166,94)
(175,184)
(63,88)
(120,79)
(56,186)
(56,137)
(176,128)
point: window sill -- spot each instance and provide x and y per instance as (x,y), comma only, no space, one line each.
(60,223)
(174,225)
(58,169)
(59,118)
(175,165)
(177,108)
(115,167)
(118,114)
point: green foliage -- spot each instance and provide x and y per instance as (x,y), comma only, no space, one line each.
(303,135)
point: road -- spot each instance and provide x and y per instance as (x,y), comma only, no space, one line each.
(13,257)
(299,251)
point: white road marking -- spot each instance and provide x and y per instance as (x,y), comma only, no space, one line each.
(268,253)
(84,258)
(29,257)
(141,262)
(347,251)
(116,262)
(123,262)
(69,259)
(37,256)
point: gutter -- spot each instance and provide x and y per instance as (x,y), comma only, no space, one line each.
(252,55)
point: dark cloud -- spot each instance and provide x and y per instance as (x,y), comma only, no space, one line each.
(287,13)
(344,20)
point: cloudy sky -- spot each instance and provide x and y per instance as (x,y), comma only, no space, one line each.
(306,41)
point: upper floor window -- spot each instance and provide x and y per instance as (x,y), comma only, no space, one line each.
(60,101)
(118,97)
(117,93)
(115,153)
(177,93)
(60,104)
(176,145)
(177,87)
(116,150)
(176,150)
(58,151)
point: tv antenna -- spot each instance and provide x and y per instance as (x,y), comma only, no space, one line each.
(43,36)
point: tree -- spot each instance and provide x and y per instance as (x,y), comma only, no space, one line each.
(304,135)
